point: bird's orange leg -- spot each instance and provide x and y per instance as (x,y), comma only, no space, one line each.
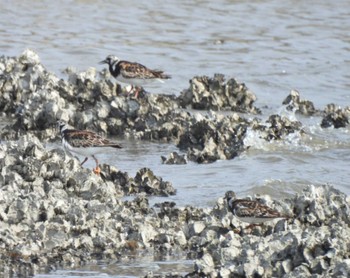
(136,90)
(96,170)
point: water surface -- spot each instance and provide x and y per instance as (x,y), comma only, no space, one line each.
(272,46)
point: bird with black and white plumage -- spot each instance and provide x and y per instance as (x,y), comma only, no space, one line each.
(132,73)
(85,143)
(251,211)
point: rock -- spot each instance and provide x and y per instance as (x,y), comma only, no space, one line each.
(174,158)
(278,128)
(146,181)
(213,93)
(205,265)
(342,269)
(196,228)
(180,239)
(335,116)
(208,140)
(29,57)
(148,234)
(304,107)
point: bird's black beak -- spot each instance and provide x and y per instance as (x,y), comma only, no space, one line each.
(103,62)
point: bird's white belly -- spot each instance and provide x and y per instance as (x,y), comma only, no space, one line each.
(256,220)
(87,151)
(137,81)
(84,151)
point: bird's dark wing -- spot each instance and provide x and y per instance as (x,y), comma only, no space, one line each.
(136,70)
(250,208)
(84,138)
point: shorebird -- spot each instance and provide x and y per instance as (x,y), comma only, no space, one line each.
(85,143)
(133,73)
(251,211)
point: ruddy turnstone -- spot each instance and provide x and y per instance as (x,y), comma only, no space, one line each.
(251,211)
(86,143)
(133,73)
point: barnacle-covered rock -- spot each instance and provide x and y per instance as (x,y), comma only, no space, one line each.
(335,116)
(214,93)
(294,102)
(174,158)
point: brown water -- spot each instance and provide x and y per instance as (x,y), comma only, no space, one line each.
(273,46)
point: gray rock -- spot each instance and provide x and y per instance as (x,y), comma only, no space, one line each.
(277,128)
(196,228)
(146,181)
(342,269)
(335,116)
(304,107)
(205,265)
(174,158)
(213,93)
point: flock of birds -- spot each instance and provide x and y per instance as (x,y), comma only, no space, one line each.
(88,143)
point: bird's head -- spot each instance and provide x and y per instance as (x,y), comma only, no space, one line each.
(61,125)
(230,197)
(110,60)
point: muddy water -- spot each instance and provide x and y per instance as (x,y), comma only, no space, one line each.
(272,46)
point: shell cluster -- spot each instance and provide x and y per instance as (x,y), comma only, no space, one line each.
(36,98)
(53,212)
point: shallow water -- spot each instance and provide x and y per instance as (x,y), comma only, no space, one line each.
(138,266)
(317,157)
(272,46)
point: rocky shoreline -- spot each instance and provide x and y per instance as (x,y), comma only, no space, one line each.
(55,213)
